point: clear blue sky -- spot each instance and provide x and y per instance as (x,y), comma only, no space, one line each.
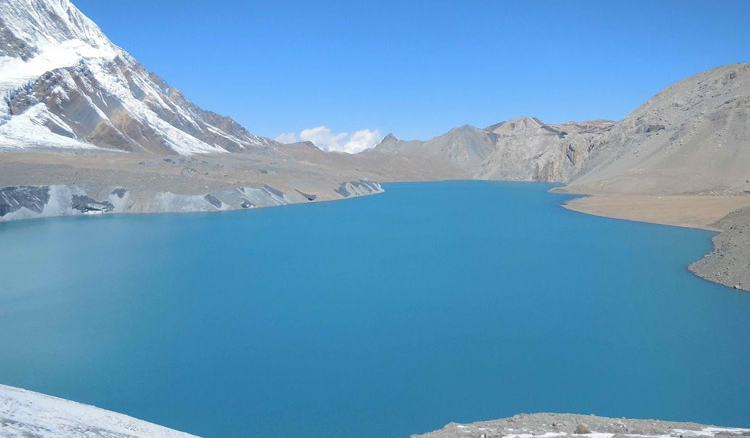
(418,68)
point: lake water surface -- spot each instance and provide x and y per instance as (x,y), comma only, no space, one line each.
(379,316)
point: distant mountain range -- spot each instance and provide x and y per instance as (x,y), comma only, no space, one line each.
(523,149)
(64,84)
(691,138)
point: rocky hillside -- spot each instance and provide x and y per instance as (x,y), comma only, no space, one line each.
(691,138)
(63,83)
(529,149)
(464,148)
(523,149)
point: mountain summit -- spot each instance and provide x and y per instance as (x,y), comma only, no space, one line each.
(63,83)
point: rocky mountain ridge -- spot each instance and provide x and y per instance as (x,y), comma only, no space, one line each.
(522,149)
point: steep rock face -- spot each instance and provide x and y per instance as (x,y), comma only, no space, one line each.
(64,84)
(693,137)
(523,149)
(528,149)
(32,198)
(356,188)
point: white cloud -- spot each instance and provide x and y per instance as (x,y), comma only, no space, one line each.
(288,137)
(327,140)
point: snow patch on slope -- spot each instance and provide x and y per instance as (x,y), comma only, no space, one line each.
(30,129)
(25,413)
(58,34)
(15,72)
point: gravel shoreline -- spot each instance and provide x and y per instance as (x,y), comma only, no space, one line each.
(729,262)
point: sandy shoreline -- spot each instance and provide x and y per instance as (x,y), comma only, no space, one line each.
(727,264)
(691,211)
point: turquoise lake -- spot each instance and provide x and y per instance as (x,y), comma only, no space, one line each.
(378,316)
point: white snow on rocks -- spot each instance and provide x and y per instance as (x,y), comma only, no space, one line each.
(30,130)
(56,43)
(15,72)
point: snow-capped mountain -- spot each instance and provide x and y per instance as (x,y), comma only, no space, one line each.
(63,83)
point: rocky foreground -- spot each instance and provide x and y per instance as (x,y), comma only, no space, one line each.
(30,414)
(571,425)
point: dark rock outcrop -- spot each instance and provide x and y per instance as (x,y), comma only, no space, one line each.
(32,197)
(363,186)
(308,197)
(213,200)
(87,204)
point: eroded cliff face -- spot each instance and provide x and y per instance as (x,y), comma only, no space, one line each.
(528,149)
(31,202)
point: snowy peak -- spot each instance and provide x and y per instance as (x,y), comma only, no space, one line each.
(38,36)
(63,83)
(41,22)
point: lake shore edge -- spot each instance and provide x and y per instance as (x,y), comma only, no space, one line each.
(728,215)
